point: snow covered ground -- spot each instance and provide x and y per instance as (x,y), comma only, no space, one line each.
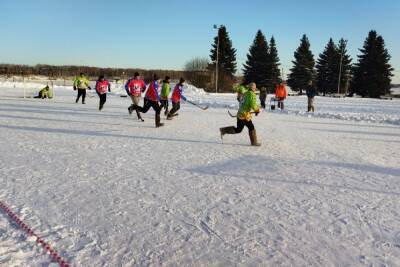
(107,190)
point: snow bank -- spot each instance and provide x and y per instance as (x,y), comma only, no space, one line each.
(350,109)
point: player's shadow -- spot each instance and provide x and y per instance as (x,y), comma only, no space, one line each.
(352,132)
(342,124)
(85,122)
(47,109)
(373,140)
(39,101)
(360,167)
(107,133)
(293,173)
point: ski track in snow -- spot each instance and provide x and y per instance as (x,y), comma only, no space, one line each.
(107,190)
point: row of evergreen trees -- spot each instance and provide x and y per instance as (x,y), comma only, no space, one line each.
(331,64)
(369,77)
(262,65)
(325,73)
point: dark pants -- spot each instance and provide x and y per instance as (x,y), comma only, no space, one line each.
(135,101)
(103,99)
(310,104)
(150,104)
(164,104)
(241,123)
(40,96)
(147,105)
(81,92)
(262,100)
(280,102)
(175,107)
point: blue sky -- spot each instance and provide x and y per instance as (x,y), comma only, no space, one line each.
(166,33)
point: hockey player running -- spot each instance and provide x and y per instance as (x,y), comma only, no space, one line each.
(177,94)
(81,83)
(165,90)
(102,87)
(151,101)
(134,88)
(244,116)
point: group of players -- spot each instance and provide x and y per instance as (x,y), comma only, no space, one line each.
(135,87)
(156,97)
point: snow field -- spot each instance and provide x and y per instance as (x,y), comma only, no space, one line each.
(107,190)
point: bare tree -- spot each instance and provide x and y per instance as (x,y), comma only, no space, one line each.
(197,72)
(197,64)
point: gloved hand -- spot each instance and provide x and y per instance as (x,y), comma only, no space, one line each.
(90,88)
(74,88)
(256,113)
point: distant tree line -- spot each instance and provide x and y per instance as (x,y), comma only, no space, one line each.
(92,72)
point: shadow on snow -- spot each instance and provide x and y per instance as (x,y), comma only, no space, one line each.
(269,170)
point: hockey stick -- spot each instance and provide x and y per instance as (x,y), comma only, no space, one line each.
(235,116)
(230,114)
(194,104)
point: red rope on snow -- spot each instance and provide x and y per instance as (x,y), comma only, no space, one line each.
(46,246)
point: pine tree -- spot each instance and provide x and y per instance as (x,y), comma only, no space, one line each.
(226,55)
(328,69)
(372,72)
(346,65)
(302,71)
(274,71)
(257,64)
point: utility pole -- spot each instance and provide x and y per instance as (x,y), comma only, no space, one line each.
(340,68)
(216,65)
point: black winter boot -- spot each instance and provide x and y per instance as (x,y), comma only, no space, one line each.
(227,130)
(139,116)
(171,115)
(158,123)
